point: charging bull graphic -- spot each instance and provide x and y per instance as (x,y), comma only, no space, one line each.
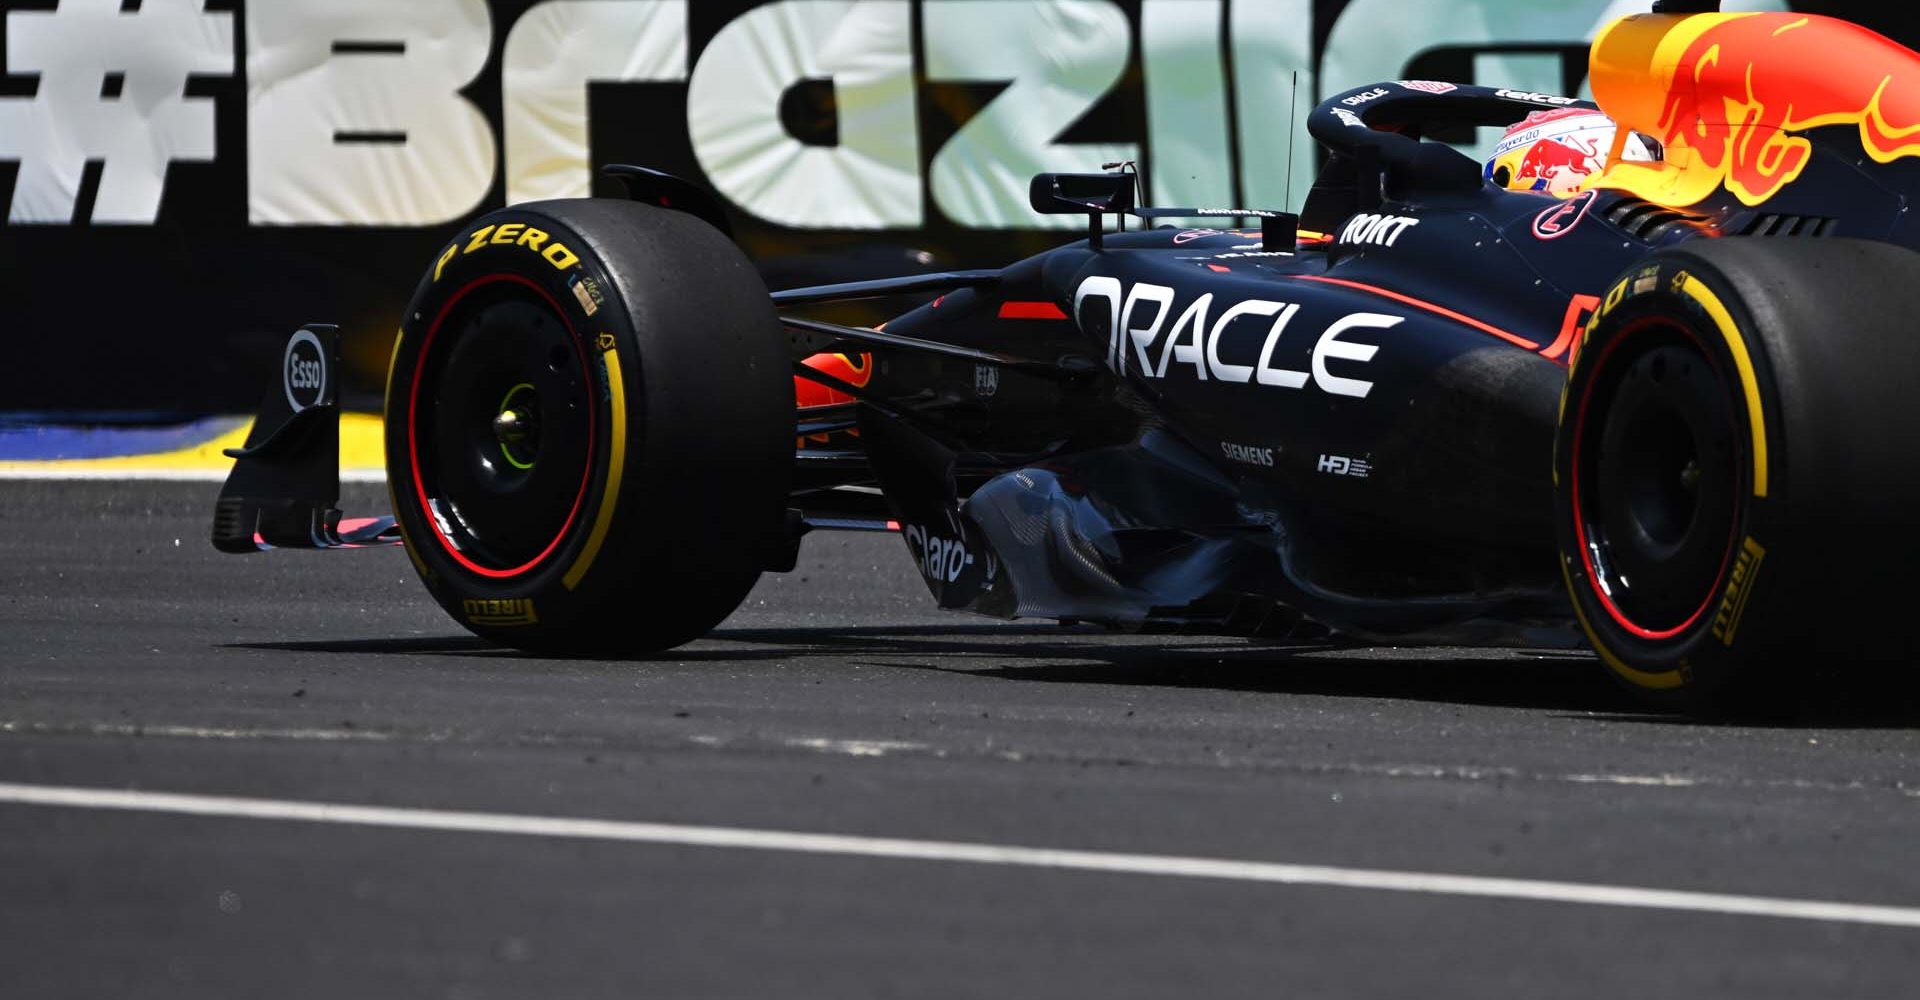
(1558,167)
(1743,89)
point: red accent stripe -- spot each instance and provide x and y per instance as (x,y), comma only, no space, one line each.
(413,431)
(1581,306)
(1487,328)
(1030,310)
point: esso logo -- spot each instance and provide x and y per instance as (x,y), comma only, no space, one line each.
(304,371)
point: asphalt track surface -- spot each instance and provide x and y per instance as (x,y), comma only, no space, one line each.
(133,657)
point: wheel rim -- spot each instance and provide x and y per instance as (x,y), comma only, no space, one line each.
(1656,480)
(501,426)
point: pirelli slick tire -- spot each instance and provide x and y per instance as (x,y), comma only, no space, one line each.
(1735,472)
(590,427)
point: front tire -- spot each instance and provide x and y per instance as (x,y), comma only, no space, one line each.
(1734,472)
(589,427)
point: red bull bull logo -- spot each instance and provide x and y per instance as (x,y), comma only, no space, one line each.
(1554,164)
(1552,151)
(1736,92)
(854,369)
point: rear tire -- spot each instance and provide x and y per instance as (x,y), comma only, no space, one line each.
(589,427)
(1735,474)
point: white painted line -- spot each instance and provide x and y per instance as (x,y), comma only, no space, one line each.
(855,748)
(944,851)
(160,475)
(208,732)
(1649,780)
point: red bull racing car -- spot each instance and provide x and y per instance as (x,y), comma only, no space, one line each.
(1646,379)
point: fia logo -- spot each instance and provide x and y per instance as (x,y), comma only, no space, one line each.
(986,380)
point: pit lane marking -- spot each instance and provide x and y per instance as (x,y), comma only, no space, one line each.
(900,849)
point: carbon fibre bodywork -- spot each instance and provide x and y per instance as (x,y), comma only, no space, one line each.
(1354,429)
(1345,420)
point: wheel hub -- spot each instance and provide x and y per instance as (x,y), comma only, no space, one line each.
(507,435)
(517,426)
(1659,481)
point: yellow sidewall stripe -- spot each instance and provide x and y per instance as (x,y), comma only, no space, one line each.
(1691,287)
(1658,682)
(1749,383)
(616,467)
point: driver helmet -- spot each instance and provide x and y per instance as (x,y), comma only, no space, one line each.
(1558,152)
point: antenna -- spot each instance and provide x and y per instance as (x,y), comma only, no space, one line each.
(1293,120)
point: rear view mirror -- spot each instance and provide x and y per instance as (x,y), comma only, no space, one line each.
(1080,194)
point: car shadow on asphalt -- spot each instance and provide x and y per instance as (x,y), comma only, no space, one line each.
(1569,684)
(1536,680)
(474,646)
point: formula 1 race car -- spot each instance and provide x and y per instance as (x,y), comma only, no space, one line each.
(1668,404)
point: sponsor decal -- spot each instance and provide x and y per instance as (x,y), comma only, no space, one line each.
(587,291)
(1341,465)
(1614,297)
(511,234)
(1573,331)
(941,560)
(1248,454)
(1532,98)
(500,611)
(1638,283)
(1349,119)
(1376,230)
(986,380)
(304,371)
(1559,220)
(853,369)
(1365,96)
(1743,69)
(1189,235)
(1141,340)
(1429,86)
(1559,166)
(1733,606)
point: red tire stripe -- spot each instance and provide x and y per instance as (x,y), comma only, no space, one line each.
(1580,522)
(413,430)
